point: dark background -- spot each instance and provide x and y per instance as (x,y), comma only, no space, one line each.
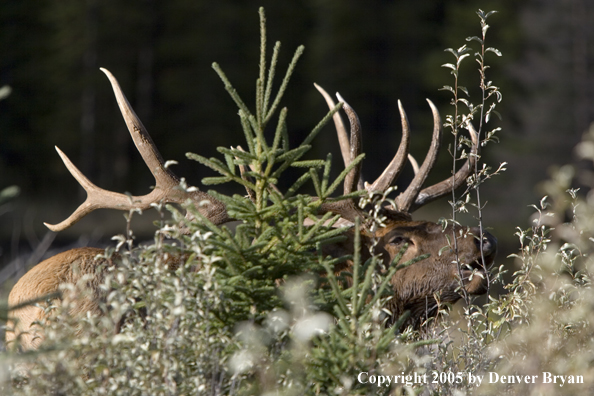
(374,52)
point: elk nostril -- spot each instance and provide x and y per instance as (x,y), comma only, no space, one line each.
(489,244)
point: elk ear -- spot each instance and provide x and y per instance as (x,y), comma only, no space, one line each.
(394,215)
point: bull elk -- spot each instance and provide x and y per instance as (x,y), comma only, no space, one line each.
(448,272)
(450,265)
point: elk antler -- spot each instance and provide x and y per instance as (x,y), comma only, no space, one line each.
(353,177)
(413,197)
(343,140)
(405,200)
(393,170)
(442,188)
(166,186)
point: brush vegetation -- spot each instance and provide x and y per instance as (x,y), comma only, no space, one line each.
(258,310)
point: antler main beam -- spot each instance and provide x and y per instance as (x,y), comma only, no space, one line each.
(166,182)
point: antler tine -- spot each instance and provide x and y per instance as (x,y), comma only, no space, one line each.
(98,198)
(414,163)
(166,182)
(397,164)
(352,179)
(347,209)
(406,199)
(444,187)
(145,145)
(343,139)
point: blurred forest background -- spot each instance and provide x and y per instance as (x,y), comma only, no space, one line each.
(374,52)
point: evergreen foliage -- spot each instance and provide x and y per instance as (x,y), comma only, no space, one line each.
(258,309)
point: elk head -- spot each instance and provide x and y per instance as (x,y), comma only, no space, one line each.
(459,257)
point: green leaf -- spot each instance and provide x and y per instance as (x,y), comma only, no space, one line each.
(209,181)
(316,182)
(245,156)
(232,92)
(314,132)
(494,50)
(448,88)
(281,129)
(285,82)
(342,175)
(308,164)
(297,185)
(461,58)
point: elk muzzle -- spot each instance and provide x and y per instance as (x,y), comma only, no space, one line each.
(474,274)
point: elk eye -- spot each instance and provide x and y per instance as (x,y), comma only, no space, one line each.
(397,240)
